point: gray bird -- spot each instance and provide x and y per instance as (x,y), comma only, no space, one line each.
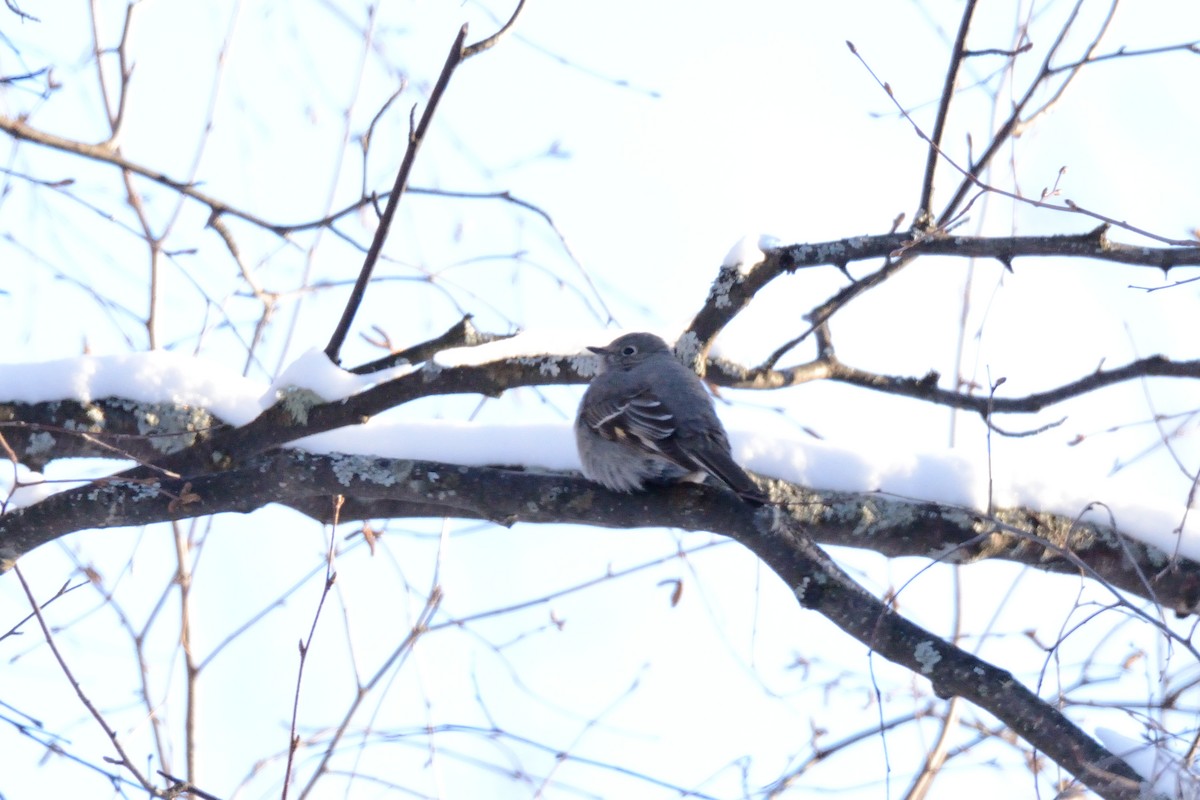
(648,418)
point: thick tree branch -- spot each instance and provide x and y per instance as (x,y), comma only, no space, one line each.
(779,535)
(376,488)
(185,440)
(821,585)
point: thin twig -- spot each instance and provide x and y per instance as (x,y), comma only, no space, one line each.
(971,175)
(1122,52)
(183,579)
(462,334)
(488,43)
(14,8)
(125,761)
(18,128)
(186,787)
(15,630)
(420,627)
(306,645)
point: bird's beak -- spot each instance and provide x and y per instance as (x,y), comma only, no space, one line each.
(600,351)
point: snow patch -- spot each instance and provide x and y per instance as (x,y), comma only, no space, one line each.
(315,372)
(1164,771)
(746,253)
(154,377)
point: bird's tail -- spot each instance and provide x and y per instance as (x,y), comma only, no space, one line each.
(722,467)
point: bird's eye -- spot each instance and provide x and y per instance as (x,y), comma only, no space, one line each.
(628,350)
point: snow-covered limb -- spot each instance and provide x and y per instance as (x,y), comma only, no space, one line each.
(174,413)
(748,251)
(376,487)
(1167,774)
(779,535)
(215,446)
(201,468)
(197,465)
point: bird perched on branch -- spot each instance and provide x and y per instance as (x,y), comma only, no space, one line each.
(648,418)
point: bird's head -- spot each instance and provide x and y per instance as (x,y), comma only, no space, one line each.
(630,350)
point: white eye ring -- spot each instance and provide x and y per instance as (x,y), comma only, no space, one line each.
(628,350)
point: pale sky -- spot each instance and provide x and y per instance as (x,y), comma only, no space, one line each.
(673,131)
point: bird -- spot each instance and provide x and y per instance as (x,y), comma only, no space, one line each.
(646,418)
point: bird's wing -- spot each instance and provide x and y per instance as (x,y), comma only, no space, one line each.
(640,417)
(642,420)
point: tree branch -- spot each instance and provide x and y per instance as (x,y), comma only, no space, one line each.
(724,373)
(821,585)
(377,488)
(924,216)
(453,59)
(731,293)
(18,129)
(777,534)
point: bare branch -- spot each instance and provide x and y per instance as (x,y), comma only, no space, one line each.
(14,8)
(1125,52)
(733,290)
(181,787)
(971,174)
(723,373)
(19,129)
(305,646)
(333,349)
(490,42)
(462,334)
(125,761)
(924,215)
